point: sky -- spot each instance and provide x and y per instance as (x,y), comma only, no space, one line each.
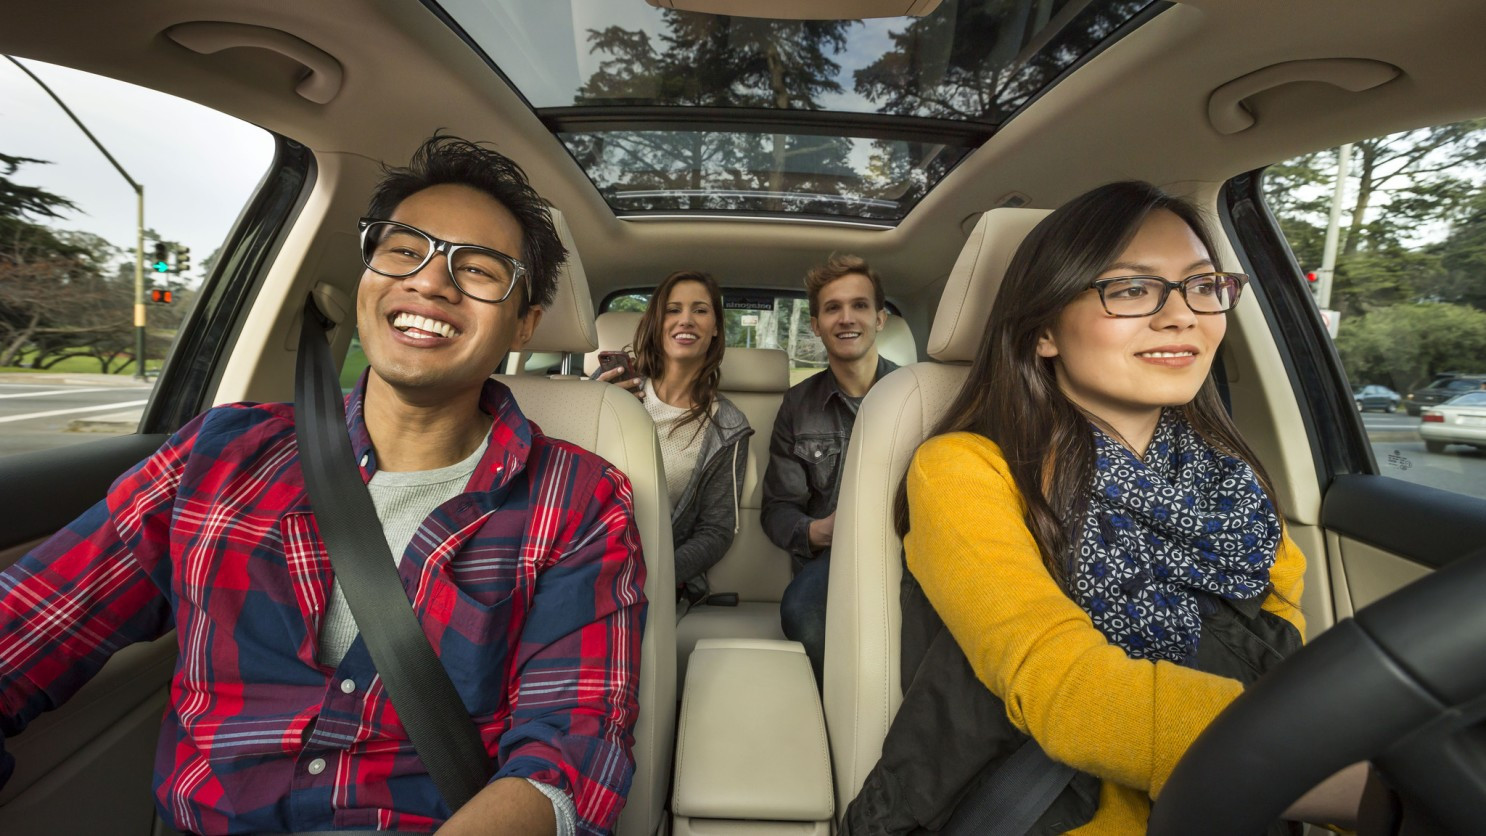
(198,167)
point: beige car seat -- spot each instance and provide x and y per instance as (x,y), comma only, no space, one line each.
(862,687)
(611,423)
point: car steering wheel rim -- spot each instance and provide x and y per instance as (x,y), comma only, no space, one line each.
(1402,684)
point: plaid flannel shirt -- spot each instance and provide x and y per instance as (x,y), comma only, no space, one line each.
(528,585)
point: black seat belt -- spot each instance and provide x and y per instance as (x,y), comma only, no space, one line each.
(436,719)
(1014,797)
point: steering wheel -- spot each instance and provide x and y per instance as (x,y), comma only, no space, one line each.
(1402,684)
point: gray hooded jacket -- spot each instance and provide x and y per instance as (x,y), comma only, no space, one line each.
(706,517)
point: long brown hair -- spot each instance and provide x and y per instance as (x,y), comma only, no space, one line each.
(1011,395)
(650,356)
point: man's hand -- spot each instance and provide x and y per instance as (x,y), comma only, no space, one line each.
(821,531)
(634,385)
(508,807)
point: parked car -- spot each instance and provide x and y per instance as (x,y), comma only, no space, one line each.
(1375,397)
(1460,420)
(1442,389)
(910,137)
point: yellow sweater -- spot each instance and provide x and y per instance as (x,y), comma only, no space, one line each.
(1090,705)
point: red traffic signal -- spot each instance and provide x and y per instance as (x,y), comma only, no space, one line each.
(1311,277)
(161,296)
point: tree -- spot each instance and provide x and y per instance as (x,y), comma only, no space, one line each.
(1404,346)
(62,293)
(711,61)
(1460,275)
(1401,186)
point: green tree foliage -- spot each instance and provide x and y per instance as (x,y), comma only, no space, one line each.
(712,61)
(64,293)
(1403,188)
(1404,346)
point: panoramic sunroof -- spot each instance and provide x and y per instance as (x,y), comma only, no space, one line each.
(681,112)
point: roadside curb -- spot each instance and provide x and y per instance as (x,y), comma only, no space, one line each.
(114,422)
(1394,435)
(75,379)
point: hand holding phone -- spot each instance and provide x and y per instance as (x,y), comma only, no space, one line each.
(625,379)
(609,360)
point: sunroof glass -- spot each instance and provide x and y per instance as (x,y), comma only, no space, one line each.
(732,171)
(682,111)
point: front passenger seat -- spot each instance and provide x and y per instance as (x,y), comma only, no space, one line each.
(611,423)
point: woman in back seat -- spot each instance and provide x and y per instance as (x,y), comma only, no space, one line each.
(1100,543)
(703,437)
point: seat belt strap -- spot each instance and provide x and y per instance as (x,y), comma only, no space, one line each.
(436,719)
(1015,796)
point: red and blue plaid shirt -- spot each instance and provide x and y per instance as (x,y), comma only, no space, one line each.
(528,585)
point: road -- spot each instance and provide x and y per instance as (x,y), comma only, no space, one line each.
(42,415)
(1400,453)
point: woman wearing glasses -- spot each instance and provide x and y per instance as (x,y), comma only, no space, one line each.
(703,438)
(1099,541)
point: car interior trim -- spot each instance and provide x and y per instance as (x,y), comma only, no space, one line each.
(1432,526)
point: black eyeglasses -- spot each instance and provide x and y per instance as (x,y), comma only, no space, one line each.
(1204,293)
(397,250)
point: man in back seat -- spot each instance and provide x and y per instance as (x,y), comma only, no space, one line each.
(847,310)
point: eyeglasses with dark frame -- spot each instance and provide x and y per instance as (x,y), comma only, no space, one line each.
(1204,293)
(397,251)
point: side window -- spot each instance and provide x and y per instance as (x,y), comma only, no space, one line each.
(81,239)
(759,319)
(1391,232)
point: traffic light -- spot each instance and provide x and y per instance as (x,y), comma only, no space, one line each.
(161,296)
(182,258)
(160,264)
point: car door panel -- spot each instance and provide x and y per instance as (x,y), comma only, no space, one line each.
(42,491)
(100,745)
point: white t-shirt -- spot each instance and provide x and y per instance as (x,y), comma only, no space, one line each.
(679,449)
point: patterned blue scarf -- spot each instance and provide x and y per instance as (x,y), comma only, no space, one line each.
(1186,518)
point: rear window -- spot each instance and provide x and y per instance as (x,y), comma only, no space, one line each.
(757,319)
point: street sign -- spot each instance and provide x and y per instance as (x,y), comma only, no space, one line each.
(749,320)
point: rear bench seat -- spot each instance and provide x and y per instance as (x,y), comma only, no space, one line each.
(757,571)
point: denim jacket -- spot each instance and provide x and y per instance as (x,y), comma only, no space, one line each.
(805,456)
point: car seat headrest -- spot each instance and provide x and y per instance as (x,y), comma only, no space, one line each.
(965,305)
(567,323)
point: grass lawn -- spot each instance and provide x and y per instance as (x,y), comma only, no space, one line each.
(77,365)
(351,369)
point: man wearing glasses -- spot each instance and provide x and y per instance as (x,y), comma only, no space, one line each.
(520,554)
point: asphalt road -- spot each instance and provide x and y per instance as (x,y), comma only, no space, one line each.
(1400,453)
(46,414)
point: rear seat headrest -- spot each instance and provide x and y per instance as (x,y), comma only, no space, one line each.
(966,303)
(895,342)
(616,332)
(755,370)
(567,323)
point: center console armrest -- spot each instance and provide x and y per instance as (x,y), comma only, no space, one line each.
(751,741)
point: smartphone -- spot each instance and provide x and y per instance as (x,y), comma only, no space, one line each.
(616,360)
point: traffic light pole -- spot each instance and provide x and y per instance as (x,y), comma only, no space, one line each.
(139,308)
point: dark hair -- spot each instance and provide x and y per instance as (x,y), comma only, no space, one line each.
(838,265)
(1011,395)
(650,357)
(449,159)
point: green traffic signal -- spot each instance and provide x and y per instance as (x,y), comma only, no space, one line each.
(161,267)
